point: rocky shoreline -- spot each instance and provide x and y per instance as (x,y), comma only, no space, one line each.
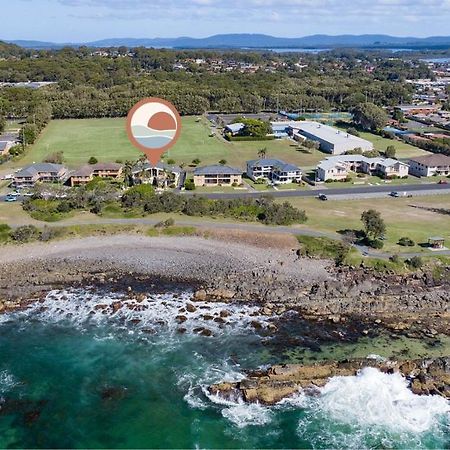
(270,386)
(277,279)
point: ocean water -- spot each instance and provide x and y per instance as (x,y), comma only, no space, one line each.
(73,373)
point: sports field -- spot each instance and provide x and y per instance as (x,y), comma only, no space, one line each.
(106,140)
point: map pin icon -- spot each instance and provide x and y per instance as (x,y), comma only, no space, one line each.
(153,126)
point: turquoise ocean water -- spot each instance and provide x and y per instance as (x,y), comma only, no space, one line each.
(74,376)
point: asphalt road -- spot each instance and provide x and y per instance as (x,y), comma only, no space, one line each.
(345,192)
(360,192)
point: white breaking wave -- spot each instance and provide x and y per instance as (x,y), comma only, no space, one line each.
(151,314)
(370,409)
(7,382)
(373,398)
(244,414)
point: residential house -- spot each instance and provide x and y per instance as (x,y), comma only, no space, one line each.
(42,172)
(217,175)
(274,170)
(162,174)
(89,172)
(286,173)
(427,166)
(338,168)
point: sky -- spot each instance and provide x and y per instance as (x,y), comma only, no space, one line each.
(88,20)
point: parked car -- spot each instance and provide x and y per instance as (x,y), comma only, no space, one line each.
(322,197)
(11,198)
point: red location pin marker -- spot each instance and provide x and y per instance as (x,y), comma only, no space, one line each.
(153,126)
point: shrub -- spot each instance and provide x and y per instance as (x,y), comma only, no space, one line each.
(416,262)
(189,184)
(4,232)
(322,247)
(230,138)
(390,152)
(395,259)
(138,196)
(196,161)
(25,233)
(171,161)
(165,223)
(376,244)
(353,131)
(55,158)
(48,234)
(93,160)
(406,242)
(222,162)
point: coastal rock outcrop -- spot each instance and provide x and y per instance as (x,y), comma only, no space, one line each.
(268,387)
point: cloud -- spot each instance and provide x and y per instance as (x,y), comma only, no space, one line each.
(277,17)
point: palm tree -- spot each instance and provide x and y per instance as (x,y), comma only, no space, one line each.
(262,152)
(128,173)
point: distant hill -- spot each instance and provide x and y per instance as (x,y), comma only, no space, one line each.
(258,41)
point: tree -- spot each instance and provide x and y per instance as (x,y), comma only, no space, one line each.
(171,162)
(398,115)
(196,161)
(128,173)
(29,134)
(262,152)
(138,196)
(189,184)
(369,116)
(374,225)
(222,162)
(390,152)
(55,158)
(93,160)
(2,124)
(255,128)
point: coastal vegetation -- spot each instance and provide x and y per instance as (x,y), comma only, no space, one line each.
(100,195)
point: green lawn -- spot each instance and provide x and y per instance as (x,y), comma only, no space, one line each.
(380,143)
(80,139)
(401,218)
(106,140)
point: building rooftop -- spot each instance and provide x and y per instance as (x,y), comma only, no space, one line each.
(235,127)
(84,171)
(265,162)
(330,134)
(161,165)
(287,167)
(432,160)
(106,166)
(217,169)
(334,161)
(34,169)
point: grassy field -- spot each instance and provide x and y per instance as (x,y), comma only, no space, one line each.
(401,218)
(80,139)
(380,143)
(106,140)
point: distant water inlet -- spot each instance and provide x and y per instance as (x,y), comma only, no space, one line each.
(87,368)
